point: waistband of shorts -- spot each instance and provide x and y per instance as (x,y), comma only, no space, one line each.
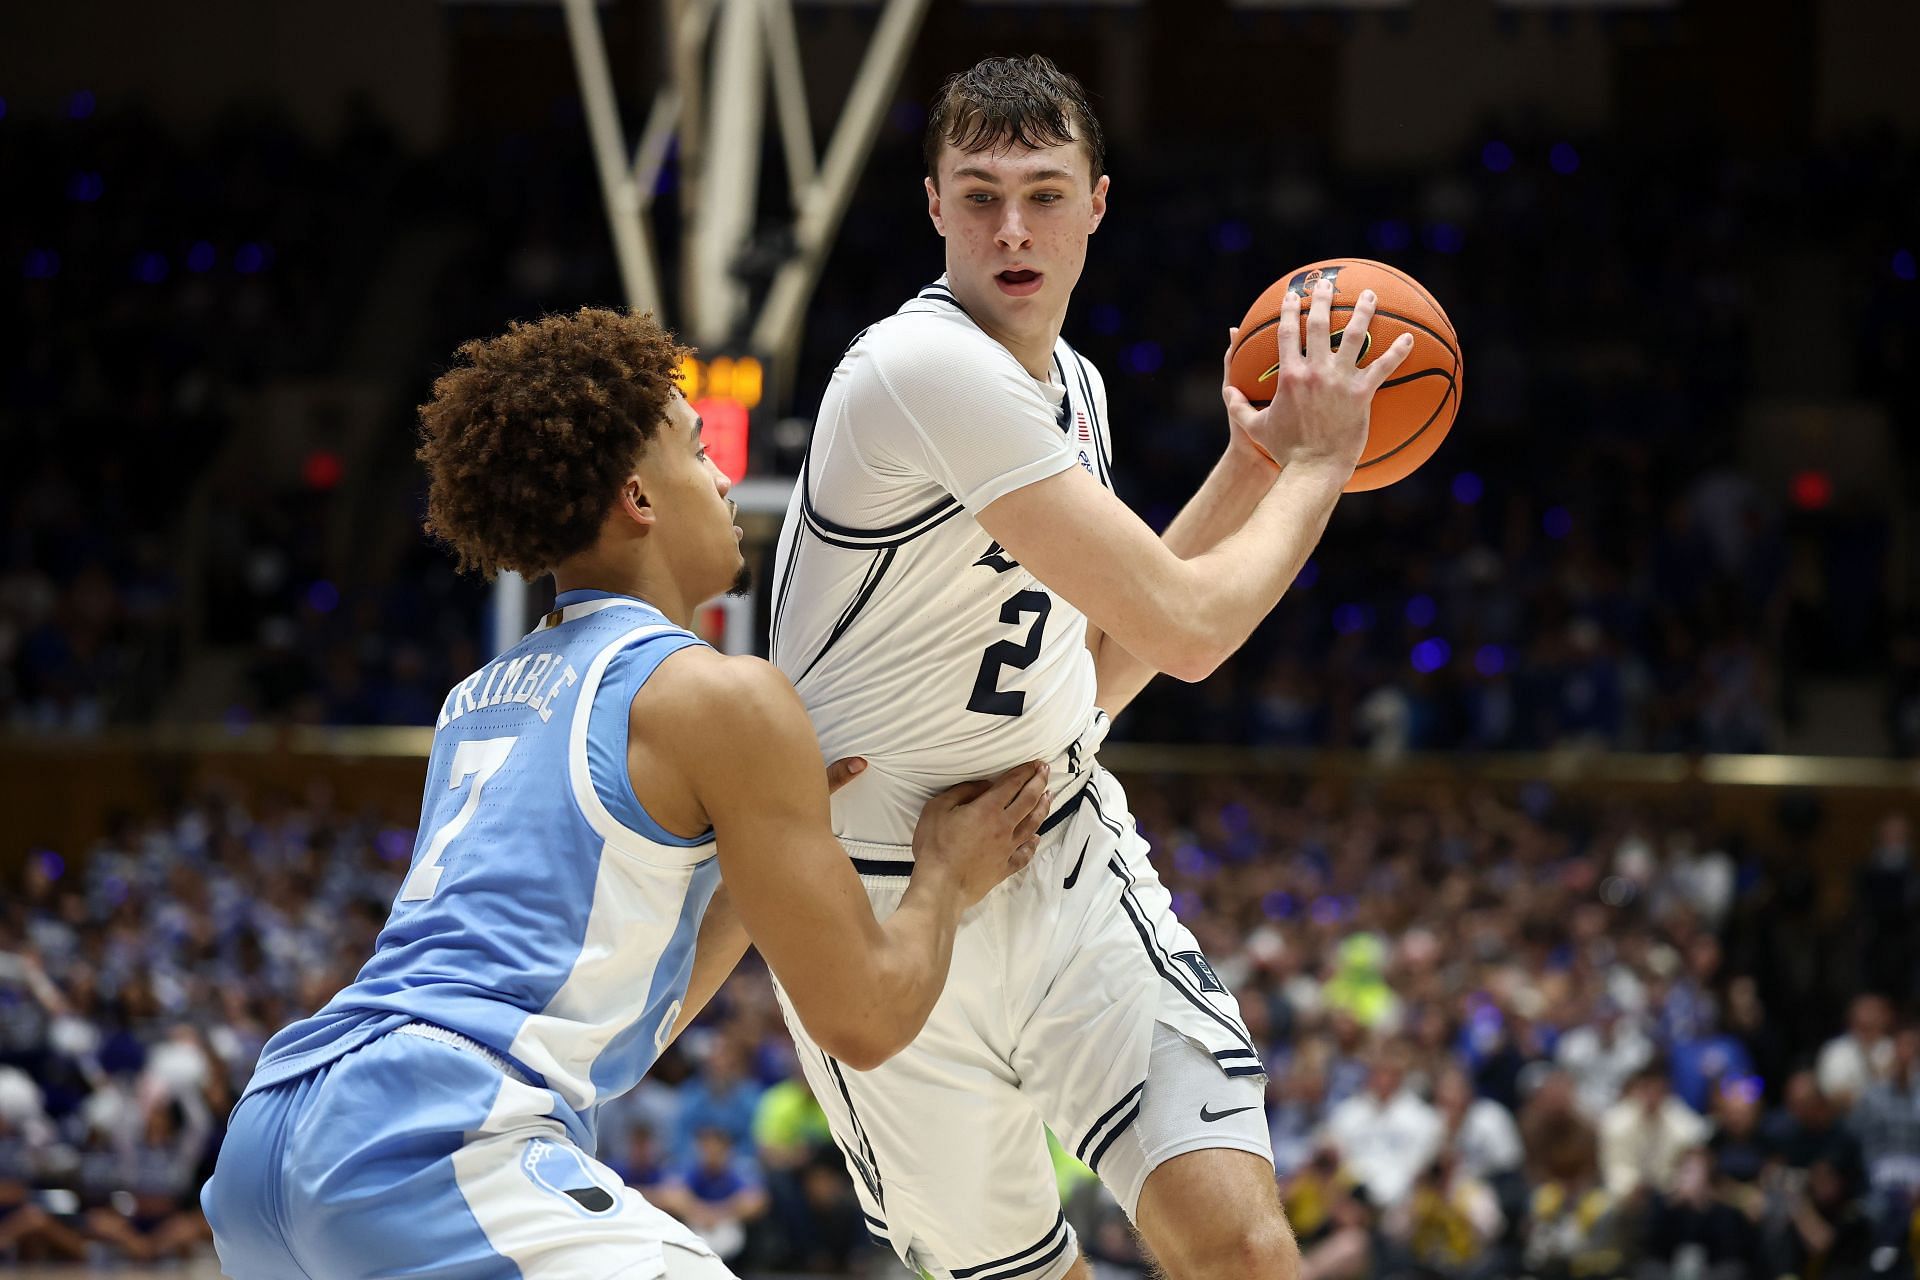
(883,861)
(434,1031)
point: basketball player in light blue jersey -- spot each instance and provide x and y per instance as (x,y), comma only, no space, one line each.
(587,792)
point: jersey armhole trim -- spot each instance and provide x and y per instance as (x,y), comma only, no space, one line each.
(642,838)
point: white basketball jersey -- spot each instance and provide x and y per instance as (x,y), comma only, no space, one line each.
(913,638)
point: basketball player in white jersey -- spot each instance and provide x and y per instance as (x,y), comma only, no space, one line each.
(957,589)
(586,792)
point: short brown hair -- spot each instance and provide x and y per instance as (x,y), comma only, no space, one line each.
(1005,101)
(529,437)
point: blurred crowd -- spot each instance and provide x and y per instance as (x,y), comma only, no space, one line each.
(1581,562)
(1505,1036)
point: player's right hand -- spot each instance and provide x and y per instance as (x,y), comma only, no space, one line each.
(1321,397)
(983,832)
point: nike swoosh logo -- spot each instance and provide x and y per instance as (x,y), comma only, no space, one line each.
(1074,874)
(1208,1117)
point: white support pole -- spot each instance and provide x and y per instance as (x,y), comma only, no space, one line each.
(778,328)
(631,244)
(509,610)
(790,96)
(736,116)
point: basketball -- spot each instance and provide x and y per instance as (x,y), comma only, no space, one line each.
(1414,409)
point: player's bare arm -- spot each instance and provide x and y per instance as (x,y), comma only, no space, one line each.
(722,939)
(1186,616)
(726,742)
(1222,503)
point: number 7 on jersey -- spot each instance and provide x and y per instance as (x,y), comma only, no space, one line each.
(478,759)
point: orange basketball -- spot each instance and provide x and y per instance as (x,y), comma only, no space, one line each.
(1414,409)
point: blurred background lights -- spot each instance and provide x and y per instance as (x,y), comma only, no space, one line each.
(1903,265)
(1421,611)
(1431,655)
(1490,660)
(1467,488)
(1564,158)
(40,264)
(80,104)
(249,258)
(201,257)
(86,187)
(1557,523)
(1497,156)
(150,267)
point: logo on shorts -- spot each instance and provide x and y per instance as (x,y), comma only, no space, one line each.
(1202,971)
(1208,1117)
(563,1171)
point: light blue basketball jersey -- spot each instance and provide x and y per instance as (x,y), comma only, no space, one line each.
(544,914)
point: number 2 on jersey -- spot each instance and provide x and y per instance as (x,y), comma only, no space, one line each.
(988,698)
(477,759)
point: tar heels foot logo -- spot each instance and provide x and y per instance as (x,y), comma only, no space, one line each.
(562,1170)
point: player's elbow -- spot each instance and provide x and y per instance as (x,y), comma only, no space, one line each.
(859,1047)
(1192,655)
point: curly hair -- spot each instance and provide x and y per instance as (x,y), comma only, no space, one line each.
(527,439)
(1002,101)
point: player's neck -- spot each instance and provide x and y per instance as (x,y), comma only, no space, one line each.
(1031,346)
(583,574)
(1034,351)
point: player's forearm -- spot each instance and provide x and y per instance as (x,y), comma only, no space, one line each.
(1220,506)
(909,969)
(716,953)
(1230,588)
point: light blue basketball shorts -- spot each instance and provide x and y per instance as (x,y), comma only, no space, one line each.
(420,1156)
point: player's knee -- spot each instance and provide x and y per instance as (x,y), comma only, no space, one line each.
(1251,1251)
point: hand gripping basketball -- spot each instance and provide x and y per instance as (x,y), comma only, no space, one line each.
(1321,397)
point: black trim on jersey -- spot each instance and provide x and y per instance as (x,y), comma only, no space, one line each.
(868,585)
(786,585)
(1093,419)
(1129,1096)
(1225,1054)
(1064,419)
(1167,969)
(937,292)
(881,867)
(1027,1262)
(1254,1070)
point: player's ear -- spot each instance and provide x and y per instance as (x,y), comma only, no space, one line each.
(1099,203)
(933,205)
(634,505)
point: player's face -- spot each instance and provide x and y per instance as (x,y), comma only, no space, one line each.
(692,513)
(1016,221)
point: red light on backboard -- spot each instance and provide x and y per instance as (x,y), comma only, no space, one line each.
(1811,490)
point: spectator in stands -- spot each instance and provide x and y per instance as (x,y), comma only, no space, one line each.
(719,1193)
(1859,1056)
(1886,1121)
(1806,1128)
(1385,1134)
(719,1096)
(1644,1135)
(1602,1055)
(1815,1226)
(1692,1231)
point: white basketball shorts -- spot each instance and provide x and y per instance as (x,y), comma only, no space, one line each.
(1062,980)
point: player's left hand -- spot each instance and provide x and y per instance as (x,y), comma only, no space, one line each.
(843,771)
(1241,411)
